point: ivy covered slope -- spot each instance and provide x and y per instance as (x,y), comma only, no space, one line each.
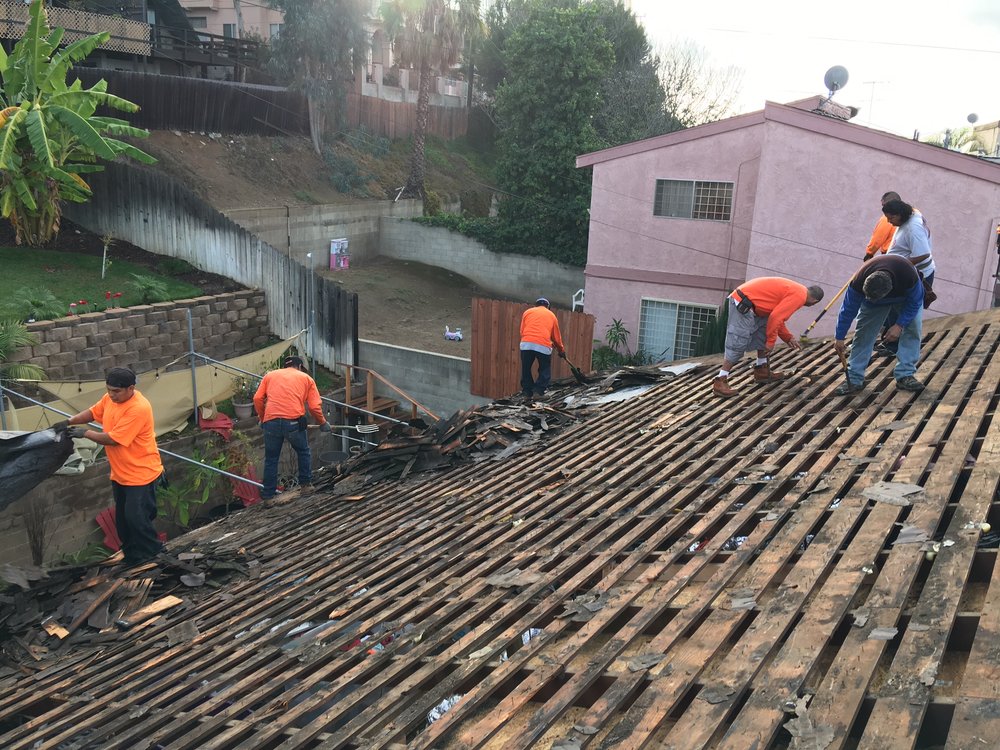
(49,132)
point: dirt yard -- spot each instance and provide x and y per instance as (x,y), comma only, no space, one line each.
(409,304)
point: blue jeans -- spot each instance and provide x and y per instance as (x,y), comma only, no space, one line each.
(276,432)
(135,509)
(869,325)
(891,318)
(528,357)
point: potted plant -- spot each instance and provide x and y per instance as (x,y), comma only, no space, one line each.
(244,387)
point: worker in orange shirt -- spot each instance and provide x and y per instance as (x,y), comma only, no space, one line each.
(883,232)
(126,419)
(281,401)
(758,311)
(539,335)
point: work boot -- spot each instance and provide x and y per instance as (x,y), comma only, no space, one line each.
(720,387)
(909,383)
(847,388)
(764,374)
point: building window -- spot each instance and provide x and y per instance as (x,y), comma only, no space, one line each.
(199,22)
(229,30)
(693,199)
(276,30)
(669,330)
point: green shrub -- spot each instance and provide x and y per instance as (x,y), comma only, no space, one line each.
(432,203)
(174,267)
(150,289)
(344,173)
(35,303)
(500,237)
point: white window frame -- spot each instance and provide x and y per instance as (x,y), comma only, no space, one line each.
(691,211)
(671,353)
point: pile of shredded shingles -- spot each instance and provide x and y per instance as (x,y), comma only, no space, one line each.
(46,612)
(491,432)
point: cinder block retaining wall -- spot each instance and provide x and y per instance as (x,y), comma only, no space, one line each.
(438,381)
(519,277)
(147,336)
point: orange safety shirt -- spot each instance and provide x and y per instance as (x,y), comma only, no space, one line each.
(776,299)
(881,237)
(135,461)
(539,326)
(285,394)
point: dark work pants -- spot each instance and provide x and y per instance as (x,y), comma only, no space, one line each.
(135,509)
(528,384)
(276,432)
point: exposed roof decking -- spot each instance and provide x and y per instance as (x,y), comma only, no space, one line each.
(606,510)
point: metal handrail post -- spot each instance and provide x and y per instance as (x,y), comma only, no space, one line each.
(194,375)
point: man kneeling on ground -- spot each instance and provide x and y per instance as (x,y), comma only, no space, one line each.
(758,311)
(887,284)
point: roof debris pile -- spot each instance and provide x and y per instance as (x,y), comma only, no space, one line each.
(46,613)
(495,431)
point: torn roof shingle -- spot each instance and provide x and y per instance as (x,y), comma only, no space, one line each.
(587,591)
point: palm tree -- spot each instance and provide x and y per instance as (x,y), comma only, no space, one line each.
(965,140)
(428,35)
(49,134)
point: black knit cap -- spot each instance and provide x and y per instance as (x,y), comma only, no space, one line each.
(294,361)
(120,377)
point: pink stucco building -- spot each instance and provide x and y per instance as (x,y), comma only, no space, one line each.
(679,220)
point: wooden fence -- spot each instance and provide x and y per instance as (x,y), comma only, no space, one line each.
(178,103)
(496,359)
(398,119)
(159,214)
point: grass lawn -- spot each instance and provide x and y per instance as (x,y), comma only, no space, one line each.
(72,277)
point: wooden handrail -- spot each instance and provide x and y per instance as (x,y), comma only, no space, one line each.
(370,377)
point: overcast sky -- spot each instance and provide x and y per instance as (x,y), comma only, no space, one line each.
(914,65)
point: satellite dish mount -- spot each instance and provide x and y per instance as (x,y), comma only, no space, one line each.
(835,79)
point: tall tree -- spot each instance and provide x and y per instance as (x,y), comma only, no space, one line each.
(321,45)
(49,134)
(556,62)
(696,91)
(964,140)
(428,35)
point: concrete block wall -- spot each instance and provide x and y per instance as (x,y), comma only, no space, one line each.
(297,230)
(519,277)
(440,382)
(145,337)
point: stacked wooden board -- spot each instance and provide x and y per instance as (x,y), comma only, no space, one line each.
(672,570)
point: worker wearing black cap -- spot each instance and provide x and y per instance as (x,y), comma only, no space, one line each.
(539,334)
(281,402)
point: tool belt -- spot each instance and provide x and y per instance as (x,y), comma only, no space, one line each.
(744,305)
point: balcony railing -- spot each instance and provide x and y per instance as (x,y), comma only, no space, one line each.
(131,37)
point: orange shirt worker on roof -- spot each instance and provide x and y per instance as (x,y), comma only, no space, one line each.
(281,401)
(539,334)
(126,417)
(758,310)
(883,232)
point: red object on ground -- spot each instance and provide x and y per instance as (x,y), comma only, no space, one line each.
(106,520)
(248,493)
(220,423)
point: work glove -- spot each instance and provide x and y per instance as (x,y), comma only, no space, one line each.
(562,354)
(869,257)
(77,432)
(325,427)
(62,424)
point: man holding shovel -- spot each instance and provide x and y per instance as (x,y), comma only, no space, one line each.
(884,285)
(539,335)
(758,311)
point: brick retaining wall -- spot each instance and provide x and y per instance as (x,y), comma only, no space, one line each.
(148,336)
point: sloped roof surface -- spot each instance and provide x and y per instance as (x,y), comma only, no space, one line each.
(675,571)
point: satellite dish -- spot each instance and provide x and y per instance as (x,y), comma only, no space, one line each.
(973,118)
(835,79)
